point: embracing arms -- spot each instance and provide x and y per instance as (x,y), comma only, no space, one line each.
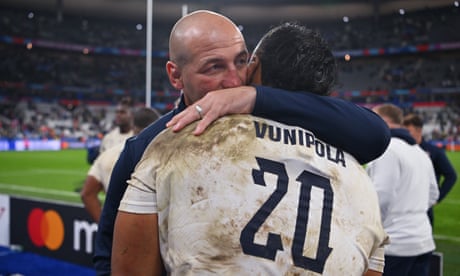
(343,124)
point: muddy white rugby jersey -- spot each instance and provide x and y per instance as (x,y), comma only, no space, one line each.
(255,197)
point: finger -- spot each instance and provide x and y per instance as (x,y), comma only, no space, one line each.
(174,120)
(180,116)
(202,125)
(199,111)
(184,121)
(208,118)
(176,127)
(189,116)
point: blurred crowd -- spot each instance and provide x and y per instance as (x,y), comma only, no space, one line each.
(429,25)
(47,92)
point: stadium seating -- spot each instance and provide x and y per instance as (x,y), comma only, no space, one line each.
(73,63)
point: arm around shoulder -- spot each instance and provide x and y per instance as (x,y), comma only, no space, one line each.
(343,124)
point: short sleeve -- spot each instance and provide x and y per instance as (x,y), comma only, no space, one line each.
(138,200)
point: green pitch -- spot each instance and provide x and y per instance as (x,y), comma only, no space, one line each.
(447,224)
(58,175)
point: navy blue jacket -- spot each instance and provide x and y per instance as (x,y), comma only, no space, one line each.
(404,134)
(354,129)
(442,167)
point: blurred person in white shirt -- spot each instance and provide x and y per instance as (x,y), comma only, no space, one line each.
(406,185)
(98,177)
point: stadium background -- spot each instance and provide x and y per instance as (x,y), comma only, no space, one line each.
(64,65)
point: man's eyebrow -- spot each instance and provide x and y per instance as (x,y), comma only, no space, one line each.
(242,53)
(220,59)
(213,60)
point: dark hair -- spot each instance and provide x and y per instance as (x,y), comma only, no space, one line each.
(144,116)
(413,120)
(297,59)
(127,101)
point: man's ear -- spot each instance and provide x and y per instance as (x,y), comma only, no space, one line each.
(174,75)
(254,72)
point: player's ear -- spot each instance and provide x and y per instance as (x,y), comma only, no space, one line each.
(254,71)
(174,75)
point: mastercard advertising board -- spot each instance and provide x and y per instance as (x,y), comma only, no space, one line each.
(64,232)
(4,220)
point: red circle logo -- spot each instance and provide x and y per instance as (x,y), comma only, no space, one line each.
(45,228)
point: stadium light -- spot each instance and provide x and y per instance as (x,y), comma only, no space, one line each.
(148,56)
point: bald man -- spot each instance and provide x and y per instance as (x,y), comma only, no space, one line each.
(208,52)
(245,197)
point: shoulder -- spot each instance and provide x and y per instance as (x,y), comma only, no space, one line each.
(150,132)
(112,132)
(397,143)
(136,145)
(397,148)
(432,149)
(229,131)
(401,147)
(112,153)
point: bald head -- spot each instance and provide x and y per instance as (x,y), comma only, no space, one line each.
(206,27)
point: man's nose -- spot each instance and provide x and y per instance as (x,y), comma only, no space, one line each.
(233,78)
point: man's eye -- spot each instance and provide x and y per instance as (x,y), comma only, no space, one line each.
(241,62)
(214,67)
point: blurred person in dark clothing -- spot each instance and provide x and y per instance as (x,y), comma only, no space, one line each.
(445,172)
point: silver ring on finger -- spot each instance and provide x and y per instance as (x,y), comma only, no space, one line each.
(199,110)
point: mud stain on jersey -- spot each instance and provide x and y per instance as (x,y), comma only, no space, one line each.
(221,236)
(198,194)
(222,159)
